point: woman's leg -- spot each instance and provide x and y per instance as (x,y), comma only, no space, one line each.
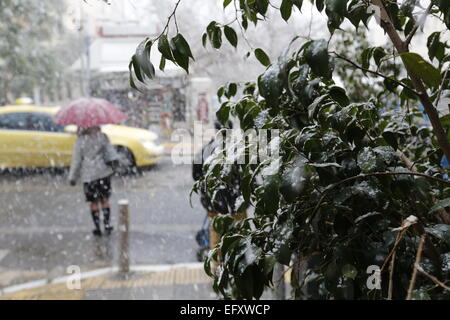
(96,217)
(106,215)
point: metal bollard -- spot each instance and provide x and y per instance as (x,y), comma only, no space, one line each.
(124,255)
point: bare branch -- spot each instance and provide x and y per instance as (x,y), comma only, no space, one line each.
(432,278)
(240,25)
(416,264)
(169,19)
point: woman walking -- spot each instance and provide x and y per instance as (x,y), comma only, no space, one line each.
(91,164)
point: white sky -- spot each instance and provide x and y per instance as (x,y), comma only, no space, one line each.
(139,12)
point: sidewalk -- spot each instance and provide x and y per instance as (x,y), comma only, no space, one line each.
(184,281)
(176,282)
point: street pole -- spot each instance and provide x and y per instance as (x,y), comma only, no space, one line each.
(82,52)
(124,255)
(87,43)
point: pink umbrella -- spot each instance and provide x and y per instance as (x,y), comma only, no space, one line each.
(89,112)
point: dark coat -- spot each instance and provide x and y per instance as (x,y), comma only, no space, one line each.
(225,200)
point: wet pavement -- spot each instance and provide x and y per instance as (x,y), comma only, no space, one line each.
(45,224)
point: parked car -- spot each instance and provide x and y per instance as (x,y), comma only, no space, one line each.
(29,138)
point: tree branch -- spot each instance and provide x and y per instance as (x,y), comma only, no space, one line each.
(375,73)
(432,278)
(430,110)
(170,18)
(416,264)
(411,166)
(373,174)
(240,25)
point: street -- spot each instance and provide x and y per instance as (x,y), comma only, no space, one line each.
(45,225)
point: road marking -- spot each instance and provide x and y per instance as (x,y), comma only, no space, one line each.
(3,254)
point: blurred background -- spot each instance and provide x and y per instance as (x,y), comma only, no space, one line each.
(55,51)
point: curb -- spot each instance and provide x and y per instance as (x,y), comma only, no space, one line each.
(99,272)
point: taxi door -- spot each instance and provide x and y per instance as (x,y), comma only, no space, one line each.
(52,145)
(14,141)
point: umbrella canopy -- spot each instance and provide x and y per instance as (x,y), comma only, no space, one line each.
(89,112)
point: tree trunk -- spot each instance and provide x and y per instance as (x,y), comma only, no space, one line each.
(430,110)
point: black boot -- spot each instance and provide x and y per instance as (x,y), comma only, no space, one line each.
(106,220)
(96,219)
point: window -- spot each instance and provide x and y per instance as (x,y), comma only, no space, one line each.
(43,122)
(13,121)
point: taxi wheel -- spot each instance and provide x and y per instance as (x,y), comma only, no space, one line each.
(127,164)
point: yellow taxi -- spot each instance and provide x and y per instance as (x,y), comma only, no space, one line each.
(29,138)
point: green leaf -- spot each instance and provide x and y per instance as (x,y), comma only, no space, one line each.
(298,4)
(271,196)
(204,38)
(320,4)
(214,34)
(181,59)
(436,49)
(313,107)
(409,26)
(394,13)
(283,255)
(389,84)
(162,63)
(443,5)
(231,90)
(286,9)
(262,6)
(244,22)
(349,271)
(418,67)
(137,69)
(223,113)
(441,204)
(357,12)
(365,57)
(216,38)
(271,83)
(378,54)
(182,45)
(262,57)
(317,57)
(337,6)
(245,284)
(390,136)
(293,179)
(231,35)
(226,3)
(130,68)
(164,48)
(220,92)
(339,95)
(142,60)
(440,231)
(407,7)
(367,160)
